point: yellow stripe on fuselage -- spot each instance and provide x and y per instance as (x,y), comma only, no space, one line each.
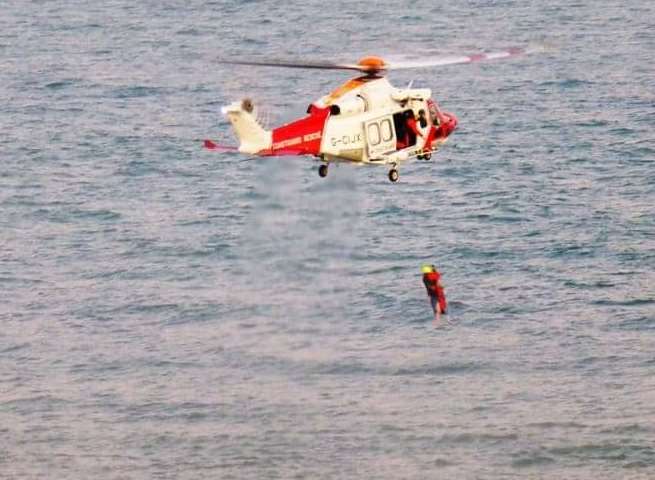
(349,86)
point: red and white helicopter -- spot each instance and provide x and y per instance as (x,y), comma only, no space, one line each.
(366,120)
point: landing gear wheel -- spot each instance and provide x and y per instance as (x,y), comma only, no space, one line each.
(427,156)
(323,171)
(393,175)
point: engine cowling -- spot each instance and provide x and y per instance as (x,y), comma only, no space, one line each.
(349,106)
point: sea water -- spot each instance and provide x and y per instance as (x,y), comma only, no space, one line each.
(169,312)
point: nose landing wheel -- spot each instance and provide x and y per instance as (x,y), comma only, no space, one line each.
(393,175)
(323,171)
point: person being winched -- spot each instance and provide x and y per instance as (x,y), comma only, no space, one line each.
(431,279)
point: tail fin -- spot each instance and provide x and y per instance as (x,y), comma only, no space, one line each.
(253,138)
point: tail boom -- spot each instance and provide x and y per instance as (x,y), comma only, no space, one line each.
(301,137)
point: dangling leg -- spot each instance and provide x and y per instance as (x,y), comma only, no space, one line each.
(435,308)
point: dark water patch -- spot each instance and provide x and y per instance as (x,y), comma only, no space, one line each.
(112,313)
(171,412)
(641,323)
(61,84)
(149,308)
(356,369)
(187,173)
(391,211)
(528,460)
(625,273)
(138,91)
(629,429)
(169,364)
(482,253)
(163,314)
(98,368)
(571,249)
(194,222)
(126,139)
(251,41)
(442,462)
(592,123)
(555,425)
(633,302)
(487,194)
(20,281)
(636,256)
(136,168)
(351,368)
(372,257)
(623,453)
(447,369)
(599,284)
(379,298)
(621,131)
(36,404)
(389,269)
(598,361)
(199,313)
(122,273)
(578,160)
(478,438)
(52,215)
(569,83)
(95,215)
(219,250)
(14,348)
(508,219)
(532,234)
(193,32)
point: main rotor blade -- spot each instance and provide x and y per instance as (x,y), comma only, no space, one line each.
(290,64)
(373,65)
(456,59)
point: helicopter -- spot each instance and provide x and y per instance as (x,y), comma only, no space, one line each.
(366,120)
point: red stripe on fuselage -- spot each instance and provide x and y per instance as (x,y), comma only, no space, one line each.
(302,137)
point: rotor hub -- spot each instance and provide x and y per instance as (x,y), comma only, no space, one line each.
(372,64)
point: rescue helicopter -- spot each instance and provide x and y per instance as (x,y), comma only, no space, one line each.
(366,120)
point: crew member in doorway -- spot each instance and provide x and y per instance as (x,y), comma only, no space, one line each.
(432,281)
(426,130)
(422,122)
(413,131)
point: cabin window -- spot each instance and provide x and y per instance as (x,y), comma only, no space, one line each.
(386,130)
(373,134)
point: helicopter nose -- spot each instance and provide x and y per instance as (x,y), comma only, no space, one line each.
(450,125)
(453,120)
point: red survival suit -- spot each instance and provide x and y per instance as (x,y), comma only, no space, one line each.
(411,129)
(431,281)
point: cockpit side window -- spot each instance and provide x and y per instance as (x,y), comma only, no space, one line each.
(432,109)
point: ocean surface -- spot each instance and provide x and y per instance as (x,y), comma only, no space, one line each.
(167,312)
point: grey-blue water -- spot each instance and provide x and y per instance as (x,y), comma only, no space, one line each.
(169,312)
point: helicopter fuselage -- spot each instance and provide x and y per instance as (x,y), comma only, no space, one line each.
(362,121)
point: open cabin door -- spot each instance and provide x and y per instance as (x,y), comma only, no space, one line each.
(380,136)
